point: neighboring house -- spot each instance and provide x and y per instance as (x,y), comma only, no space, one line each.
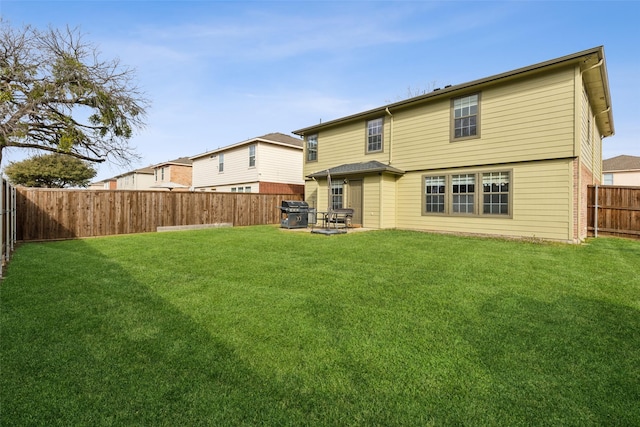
(173,175)
(507,155)
(139,179)
(621,170)
(269,164)
(105,184)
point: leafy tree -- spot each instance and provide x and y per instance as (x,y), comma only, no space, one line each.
(57,95)
(50,170)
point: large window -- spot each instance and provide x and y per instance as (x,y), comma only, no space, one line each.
(312,148)
(466,113)
(374,135)
(495,191)
(463,192)
(252,155)
(434,188)
(336,195)
(460,194)
(221,162)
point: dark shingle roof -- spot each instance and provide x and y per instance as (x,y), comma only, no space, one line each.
(358,168)
(276,138)
(184,161)
(621,163)
(282,138)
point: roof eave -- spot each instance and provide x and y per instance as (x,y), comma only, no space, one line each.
(387,170)
(463,87)
(246,142)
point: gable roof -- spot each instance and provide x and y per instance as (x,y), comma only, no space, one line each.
(357,168)
(621,163)
(142,171)
(181,161)
(592,65)
(275,138)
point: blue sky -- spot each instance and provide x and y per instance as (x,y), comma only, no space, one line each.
(220,72)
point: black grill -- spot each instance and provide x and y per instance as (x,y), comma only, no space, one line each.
(294,214)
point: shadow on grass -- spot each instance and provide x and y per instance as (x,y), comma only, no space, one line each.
(85,343)
(91,346)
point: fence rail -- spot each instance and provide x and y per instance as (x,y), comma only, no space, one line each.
(614,210)
(48,214)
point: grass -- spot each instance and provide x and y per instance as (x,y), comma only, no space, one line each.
(258,326)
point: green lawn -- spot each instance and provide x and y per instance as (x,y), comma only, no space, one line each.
(261,326)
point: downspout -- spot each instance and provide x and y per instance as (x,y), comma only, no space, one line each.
(390,136)
(381,202)
(381,218)
(315,202)
(596,65)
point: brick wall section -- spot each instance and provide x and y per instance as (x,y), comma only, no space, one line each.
(180,174)
(576,199)
(587,180)
(280,188)
(582,176)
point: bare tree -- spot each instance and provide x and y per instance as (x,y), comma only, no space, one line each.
(57,95)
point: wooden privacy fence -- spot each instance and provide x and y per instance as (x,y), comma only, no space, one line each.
(46,214)
(614,210)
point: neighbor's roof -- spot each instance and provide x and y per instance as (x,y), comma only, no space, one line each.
(357,168)
(182,161)
(593,68)
(144,171)
(621,163)
(275,138)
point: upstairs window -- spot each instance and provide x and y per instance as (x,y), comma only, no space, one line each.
(466,113)
(374,135)
(252,156)
(220,162)
(312,148)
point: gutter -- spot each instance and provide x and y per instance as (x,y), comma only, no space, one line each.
(390,136)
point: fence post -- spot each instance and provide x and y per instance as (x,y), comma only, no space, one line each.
(595,213)
(14,214)
(7,207)
(2,184)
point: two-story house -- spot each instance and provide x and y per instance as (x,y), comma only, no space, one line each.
(105,184)
(506,155)
(139,179)
(269,164)
(173,174)
(621,170)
